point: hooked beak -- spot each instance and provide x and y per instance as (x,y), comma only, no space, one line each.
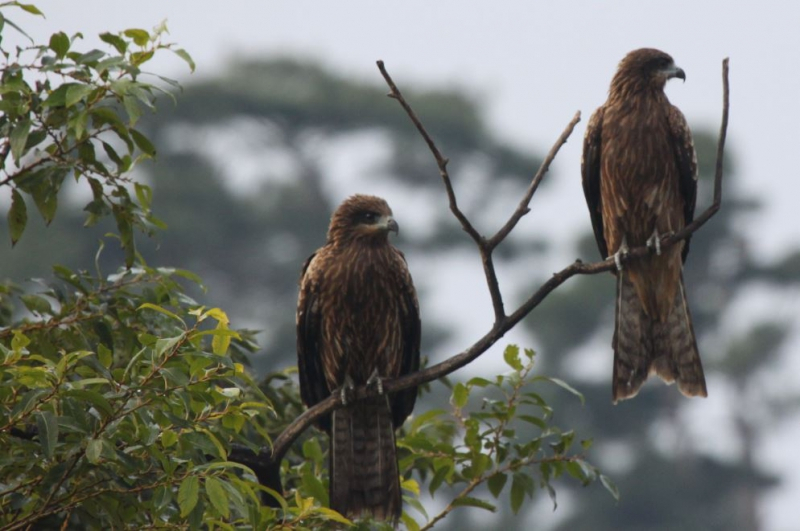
(675,71)
(392,226)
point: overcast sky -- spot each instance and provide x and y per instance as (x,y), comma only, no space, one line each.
(532,65)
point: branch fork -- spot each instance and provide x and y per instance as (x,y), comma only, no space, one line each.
(267,463)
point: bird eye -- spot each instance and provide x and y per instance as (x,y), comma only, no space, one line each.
(369,217)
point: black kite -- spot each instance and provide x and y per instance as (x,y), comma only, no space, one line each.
(640,181)
(358,322)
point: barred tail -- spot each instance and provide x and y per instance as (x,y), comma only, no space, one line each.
(364,475)
(643,346)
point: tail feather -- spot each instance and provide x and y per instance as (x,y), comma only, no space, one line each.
(644,345)
(364,475)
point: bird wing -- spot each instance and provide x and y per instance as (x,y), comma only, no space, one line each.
(313,386)
(590,173)
(403,401)
(685,154)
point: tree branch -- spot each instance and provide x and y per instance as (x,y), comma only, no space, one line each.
(523,209)
(502,323)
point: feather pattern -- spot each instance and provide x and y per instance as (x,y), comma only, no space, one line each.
(639,172)
(358,316)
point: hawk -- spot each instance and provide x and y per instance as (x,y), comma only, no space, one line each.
(358,322)
(639,173)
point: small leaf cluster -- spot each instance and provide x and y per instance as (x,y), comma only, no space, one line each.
(500,433)
(60,117)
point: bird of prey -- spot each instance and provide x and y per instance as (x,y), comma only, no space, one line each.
(358,322)
(639,173)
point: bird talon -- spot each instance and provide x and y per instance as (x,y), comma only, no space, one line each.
(346,391)
(620,254)
(376,381)
(654,242)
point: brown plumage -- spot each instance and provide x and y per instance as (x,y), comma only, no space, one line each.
(357,319)
(640,181)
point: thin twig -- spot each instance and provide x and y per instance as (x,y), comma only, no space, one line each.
(441,160)
(523,208)
(282,443)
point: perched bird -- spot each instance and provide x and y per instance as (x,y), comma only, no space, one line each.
(639,173)
(358,322)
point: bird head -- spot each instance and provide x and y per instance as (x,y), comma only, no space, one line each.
(645,68)
(362,217)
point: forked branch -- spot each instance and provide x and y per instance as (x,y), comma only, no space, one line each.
(503,323)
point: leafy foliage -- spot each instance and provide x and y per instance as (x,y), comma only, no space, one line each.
(510,435)
(120,399)
(61,118)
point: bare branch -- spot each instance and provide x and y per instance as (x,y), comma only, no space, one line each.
(523,209)
(441,160)
(505,323)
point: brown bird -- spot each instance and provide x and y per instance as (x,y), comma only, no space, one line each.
(357,322)
(639,174)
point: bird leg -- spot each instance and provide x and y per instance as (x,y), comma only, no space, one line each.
(621,252)
(654,242)
(346,391)
(376,381)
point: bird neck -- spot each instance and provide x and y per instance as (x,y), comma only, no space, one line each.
(628,88)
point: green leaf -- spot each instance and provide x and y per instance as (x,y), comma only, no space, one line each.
(496,483)
(312,450)
(105,355)
(410,523)
(568,387)
(511,357)
(161,497)
(144,194)
(30,8)
(169,438)
(517,493)
(36,304)
(47,424)
(468,501)
(478,382)
(314,487)
(94,450)
(116,41)
(216,493)
(59,43)
(76,93)
(91,56)
(460,395)
(45,192)
(438,478)
(159,309)
(20,340)
(96,399)
(143,143)
(17,216)
(330,514)
(19,138)
(183,54)
(139,36)
(610,486)
(132,108)
(57,98)
(188,495)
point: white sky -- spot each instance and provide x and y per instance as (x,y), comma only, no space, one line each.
(533,64)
